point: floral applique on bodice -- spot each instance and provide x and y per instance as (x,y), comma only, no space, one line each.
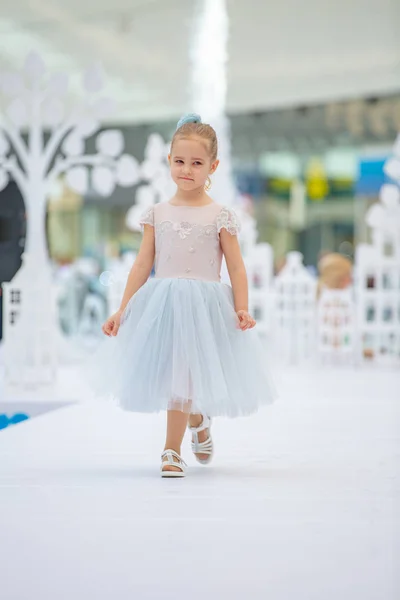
(187,242)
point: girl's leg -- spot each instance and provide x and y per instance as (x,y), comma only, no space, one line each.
(176,426)
(195,420)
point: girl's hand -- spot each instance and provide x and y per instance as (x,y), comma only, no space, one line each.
(112,324)
(246,321)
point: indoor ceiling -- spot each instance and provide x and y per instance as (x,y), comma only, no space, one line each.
(280,53)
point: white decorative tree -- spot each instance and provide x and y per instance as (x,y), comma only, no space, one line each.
(42,136)
(378,273)
(156,183)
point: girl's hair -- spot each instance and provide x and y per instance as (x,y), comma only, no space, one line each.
(191,126)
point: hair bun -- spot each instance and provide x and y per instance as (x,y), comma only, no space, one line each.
(189,118)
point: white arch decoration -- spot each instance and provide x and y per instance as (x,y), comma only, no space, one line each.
(42,136)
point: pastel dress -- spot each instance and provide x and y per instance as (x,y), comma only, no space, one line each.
(179,345)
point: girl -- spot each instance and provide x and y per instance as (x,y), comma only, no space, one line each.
(182,341)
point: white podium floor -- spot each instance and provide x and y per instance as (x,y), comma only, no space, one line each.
(301,502)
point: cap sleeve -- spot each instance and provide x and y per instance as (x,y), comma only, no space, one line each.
(147,217)
(228,219)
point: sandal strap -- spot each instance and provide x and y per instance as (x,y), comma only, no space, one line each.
(202,447)
(205,424)
(170,455)
(205,447)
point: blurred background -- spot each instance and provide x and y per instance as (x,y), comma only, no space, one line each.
(312,94)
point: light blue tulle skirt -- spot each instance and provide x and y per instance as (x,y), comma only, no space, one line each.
(179,347)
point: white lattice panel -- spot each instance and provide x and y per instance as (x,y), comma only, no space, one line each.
(294,316)
(378,305)
(378,274)
(337,341)
(30,356)
(259,266)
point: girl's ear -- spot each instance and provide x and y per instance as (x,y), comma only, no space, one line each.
(169,158)
(214,166)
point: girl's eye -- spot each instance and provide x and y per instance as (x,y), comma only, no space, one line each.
(178,160)
(196,162)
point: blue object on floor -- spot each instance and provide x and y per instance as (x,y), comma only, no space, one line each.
(17,418)
(5,421)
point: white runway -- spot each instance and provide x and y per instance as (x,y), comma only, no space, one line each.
(302,501)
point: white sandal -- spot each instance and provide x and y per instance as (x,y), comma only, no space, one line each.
(167,458)
(206,447)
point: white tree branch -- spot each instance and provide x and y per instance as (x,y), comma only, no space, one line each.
(11,166)
(17,142)
(55,140)
(94,160)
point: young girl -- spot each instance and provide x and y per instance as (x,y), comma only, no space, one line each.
(182,340)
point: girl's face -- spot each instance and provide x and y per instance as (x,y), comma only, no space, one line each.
(191,163)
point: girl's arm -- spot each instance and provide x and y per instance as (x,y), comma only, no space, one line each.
(141,268)
(236,269)
(238,276)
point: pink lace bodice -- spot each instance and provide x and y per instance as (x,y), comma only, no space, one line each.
(187,239)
